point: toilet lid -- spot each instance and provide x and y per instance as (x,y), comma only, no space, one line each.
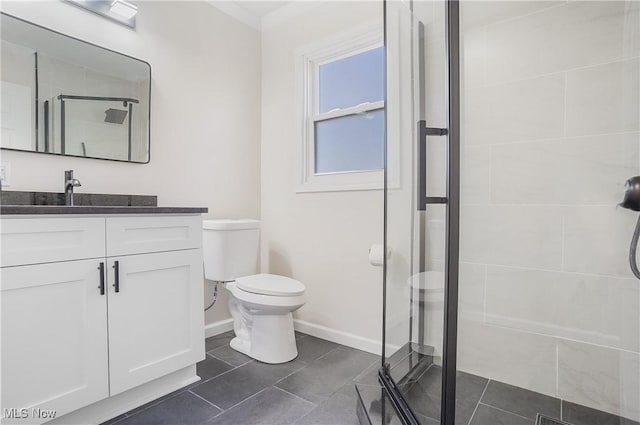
(270,284)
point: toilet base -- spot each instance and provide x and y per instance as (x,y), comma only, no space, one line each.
(263,325)
(272,339)
(241,346)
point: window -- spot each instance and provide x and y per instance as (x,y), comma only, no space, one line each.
(343,121)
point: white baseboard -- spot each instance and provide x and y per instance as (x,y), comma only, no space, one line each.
(216,328)
(110,407)
(334,335)
(319,331)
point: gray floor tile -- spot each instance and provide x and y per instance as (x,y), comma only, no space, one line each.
(520,401)
(427,421)
(184,408)
(469,389)
(581,415)
(378,407)
(229,355)
(339,409)
(270,406)
(217,341)
(486,415)
(234,386)
(300,335)
(409,365)
(311,348)
(425,395)
(211,367)
(326,375)
(159,399)
(350,388)
(369,376)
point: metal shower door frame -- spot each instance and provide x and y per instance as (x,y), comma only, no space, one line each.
(452,202)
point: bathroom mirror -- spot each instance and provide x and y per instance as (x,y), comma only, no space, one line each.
(64,96)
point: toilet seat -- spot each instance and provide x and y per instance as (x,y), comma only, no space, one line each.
(257,301)
(271,285)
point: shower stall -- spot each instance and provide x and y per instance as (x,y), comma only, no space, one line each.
(511,129)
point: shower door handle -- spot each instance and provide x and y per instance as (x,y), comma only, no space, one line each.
(423,131)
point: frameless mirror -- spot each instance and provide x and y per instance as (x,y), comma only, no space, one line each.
(60,95)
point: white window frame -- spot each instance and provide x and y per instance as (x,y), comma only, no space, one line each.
(310,60)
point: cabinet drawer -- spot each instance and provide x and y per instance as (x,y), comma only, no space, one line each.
(45,240)
(139,235)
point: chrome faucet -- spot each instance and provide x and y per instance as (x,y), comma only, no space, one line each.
(69,184)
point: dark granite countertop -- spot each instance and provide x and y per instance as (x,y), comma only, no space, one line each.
(19,197)
(89,209)
(25,203)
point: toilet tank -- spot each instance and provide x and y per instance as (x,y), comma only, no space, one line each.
(230,248)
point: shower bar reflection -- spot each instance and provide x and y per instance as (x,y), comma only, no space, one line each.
(113,116)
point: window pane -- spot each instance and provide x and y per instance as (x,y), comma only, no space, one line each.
(351,143)
(351,81)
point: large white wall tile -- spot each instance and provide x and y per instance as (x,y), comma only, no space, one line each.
(596,240)
(517,358)
(471,290)
(577,34)
(436,152)
(434,236)
(551,122)
(585,170)
(475,174)
(604,99)
(479,13)
(512,236)
(589,308)
(599,377)
(473,58)
(523,110)
(435,233)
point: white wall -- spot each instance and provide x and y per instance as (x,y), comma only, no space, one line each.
(551,129)
(321,239)
(205,112)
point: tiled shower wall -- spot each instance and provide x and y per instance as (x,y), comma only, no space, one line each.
(551,131)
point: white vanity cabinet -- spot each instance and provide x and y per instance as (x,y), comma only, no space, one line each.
(54,338)
(73,335)
(156,318)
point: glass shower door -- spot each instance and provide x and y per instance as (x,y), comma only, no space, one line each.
(416,207)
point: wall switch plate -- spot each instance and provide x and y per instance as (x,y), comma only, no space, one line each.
(5,174)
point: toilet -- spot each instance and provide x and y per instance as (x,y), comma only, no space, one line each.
(260,304)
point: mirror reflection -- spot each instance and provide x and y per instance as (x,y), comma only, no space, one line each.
(64,96)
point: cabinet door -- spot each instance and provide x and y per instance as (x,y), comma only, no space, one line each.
(54,338)
(156,320)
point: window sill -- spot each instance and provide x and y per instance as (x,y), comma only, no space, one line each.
(339,182)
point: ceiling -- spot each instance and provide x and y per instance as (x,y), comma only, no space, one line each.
(261,8)
(252,12)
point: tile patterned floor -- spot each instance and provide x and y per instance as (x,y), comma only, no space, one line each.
(317,388)
(481,401)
